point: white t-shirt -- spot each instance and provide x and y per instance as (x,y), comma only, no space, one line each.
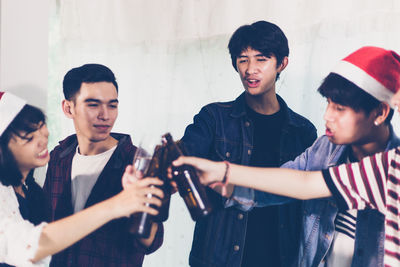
(342,249)
(19,238)
(85,171)
(372,183)
(341,252)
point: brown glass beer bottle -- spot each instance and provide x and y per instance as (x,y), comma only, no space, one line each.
(189,186)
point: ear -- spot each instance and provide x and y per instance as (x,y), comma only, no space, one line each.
(382,112)
(284,63)
(67,107)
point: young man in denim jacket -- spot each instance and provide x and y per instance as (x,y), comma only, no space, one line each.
(357,125)
(256,129)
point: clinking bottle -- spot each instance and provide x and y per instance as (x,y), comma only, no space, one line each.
(140,223)
(161,173)
(188,183)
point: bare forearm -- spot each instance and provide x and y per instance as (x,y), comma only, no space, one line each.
(286,182)
(134,198)
(279,181)
(62,233)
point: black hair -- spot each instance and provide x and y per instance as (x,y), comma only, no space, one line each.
(88,73)
(343,92)
(28,120)
(262,36)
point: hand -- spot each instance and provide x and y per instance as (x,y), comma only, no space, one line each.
(130,176)
(174,186)
(137,195)
(209,171)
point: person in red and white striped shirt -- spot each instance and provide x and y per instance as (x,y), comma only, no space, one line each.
(373,183)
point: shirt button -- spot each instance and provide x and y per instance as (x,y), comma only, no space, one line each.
(247,124)
(235,247)
(249,152)
(240,216)
(227,154)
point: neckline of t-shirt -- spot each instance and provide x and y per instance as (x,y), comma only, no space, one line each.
(252,113)
(102,154)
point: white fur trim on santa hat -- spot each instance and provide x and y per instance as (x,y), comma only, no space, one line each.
(10,106)
(363,80)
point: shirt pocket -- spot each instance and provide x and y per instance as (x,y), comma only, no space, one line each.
(227,150)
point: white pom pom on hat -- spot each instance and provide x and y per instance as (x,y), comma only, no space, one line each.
(373,69)
(10,106)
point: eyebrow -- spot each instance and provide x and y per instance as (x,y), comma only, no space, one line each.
(98,101)
(258,55)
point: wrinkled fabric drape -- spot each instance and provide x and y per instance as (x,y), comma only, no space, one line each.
(171,58)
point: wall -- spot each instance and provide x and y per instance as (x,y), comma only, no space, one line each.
(24,46)
(24,49)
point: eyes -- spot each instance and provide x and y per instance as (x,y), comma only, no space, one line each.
(112,105)
(246,59)
(28,137)
(336,107)
(340,108)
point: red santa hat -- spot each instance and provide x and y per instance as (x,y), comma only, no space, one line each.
(10,106)
(373,69)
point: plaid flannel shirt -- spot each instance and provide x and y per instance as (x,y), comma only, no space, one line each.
(110,245)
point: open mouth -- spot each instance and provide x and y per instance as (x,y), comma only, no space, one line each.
(252,82)
(328,132)
(43,154)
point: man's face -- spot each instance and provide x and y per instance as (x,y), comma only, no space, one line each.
(94,110)
(257,72)
(344,125)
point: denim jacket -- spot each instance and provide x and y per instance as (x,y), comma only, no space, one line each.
(223,131)
(319,214)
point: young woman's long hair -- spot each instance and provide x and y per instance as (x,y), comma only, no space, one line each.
(28,120)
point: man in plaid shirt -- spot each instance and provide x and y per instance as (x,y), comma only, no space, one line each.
(87,167)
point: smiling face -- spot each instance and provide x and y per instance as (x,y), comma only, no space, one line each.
(94,110)
(258,72)
(344,125)
(31,151)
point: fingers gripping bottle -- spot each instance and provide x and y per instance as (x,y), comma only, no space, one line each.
(140,223)
(188,183)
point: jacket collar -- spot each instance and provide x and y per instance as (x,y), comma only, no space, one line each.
(68,145)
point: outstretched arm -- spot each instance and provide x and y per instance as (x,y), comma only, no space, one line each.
(286,182)
(60,234)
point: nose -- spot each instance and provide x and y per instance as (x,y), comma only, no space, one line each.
(251,67)
(44,134)
(328,116)
(44,131)
(103,113)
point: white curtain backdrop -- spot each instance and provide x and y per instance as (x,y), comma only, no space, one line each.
(171,58)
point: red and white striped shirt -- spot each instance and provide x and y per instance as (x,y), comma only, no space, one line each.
(372,183)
